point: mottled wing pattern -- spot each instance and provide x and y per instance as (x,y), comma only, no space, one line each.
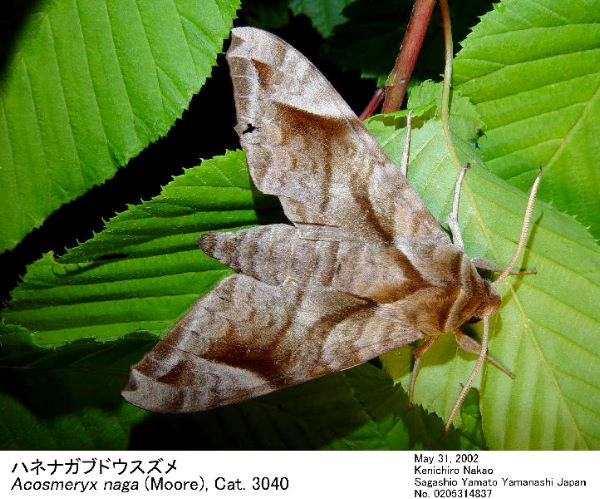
(279,253)
(247,338)
(305,145)
(426,288)
(337,289)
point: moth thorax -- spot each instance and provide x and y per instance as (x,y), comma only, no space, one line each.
(490,305)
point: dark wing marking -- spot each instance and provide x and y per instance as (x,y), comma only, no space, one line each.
(247,338)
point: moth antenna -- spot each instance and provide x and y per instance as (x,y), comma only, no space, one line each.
(474,372)
(453,218)
(418,354)
(524,229)
(405,151)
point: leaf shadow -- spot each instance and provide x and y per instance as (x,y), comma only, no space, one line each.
(14,16)
(82,374)
(268,208)
(356,409)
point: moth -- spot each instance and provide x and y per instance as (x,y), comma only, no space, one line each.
(363,269)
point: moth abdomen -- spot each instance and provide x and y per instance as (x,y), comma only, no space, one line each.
(277,254)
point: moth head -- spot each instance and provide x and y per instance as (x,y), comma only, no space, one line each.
(489,306)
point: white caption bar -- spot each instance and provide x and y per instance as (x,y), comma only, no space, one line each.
(300,474)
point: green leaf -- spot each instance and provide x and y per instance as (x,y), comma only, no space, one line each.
(540,101)
(547,330)
(92,83)
(145,269)
(68,398)
(324,14)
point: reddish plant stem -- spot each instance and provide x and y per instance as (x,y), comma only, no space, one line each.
(373,104)
(407,57)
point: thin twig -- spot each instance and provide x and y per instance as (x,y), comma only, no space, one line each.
(457,239)
(372,105)
(407,57)
(448,48)
(447,82)
(406,150)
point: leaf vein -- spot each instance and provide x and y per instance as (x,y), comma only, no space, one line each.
(525,62)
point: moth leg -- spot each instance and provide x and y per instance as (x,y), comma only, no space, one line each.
(453,218)
(470,345)
(405,151)
(524,230)
(418,353)
(474,372)
(483,264)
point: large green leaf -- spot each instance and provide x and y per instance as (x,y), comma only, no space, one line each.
(69,398)
(145,269)
(548,329)
(532,67)
(90,84)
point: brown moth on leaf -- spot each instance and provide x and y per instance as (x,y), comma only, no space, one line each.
(364,269)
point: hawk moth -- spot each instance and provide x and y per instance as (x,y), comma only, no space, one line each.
(364,269)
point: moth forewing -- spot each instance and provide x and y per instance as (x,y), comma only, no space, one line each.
(364,269)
